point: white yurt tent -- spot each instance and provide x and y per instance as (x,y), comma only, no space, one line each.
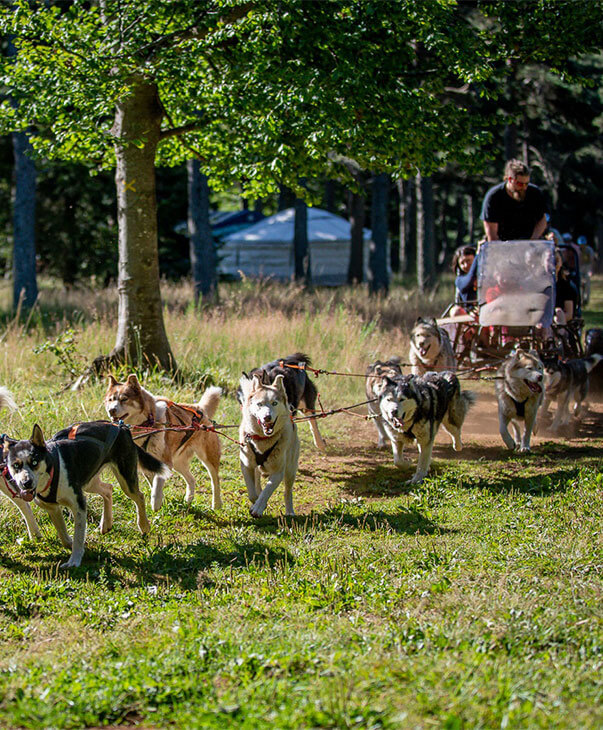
(266,248)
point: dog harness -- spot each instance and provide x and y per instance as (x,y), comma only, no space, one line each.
(195,424)
(520,406)
(260,456)
(53,480)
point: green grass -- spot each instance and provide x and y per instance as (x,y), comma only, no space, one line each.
(470,601)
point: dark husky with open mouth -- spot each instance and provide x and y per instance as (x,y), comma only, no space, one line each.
(414,407)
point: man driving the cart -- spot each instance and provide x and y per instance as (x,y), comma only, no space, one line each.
(514,209)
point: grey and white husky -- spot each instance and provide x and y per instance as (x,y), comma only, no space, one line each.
(430,348)
(301,391)
(566,381)
(413,407)
(58,473)
(21,501)
(519,390)
(375,385)
(269,441)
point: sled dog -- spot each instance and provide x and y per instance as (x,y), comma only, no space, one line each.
(269,441)
(20,500)
(301,391)
(413,407)
(519,391)
(58,473)
(564,381)
(375,384)
(131,403)
(430,348)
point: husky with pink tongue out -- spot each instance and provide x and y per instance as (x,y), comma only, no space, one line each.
(269,442)
(520,390)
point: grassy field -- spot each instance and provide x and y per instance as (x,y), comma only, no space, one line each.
(471,601)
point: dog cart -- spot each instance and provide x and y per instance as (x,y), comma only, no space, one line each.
(515,306)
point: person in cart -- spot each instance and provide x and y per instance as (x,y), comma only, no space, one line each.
(514,209)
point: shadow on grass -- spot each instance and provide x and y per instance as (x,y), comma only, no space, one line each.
(403,521)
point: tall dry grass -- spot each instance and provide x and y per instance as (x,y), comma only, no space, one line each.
(341,329)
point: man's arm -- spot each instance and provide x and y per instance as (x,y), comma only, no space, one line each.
(539,228)
(491,230)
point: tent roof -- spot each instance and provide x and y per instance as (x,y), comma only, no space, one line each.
(322,226)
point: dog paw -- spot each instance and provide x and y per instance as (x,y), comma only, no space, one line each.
(71,563)
(255,512)
(524,449)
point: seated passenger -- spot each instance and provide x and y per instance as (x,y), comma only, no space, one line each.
(566,293)
(464,265)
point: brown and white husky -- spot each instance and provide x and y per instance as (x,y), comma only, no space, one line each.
(131,403)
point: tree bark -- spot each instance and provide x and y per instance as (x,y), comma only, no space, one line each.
(201,244)
(141,336)
(25,287)
(401,265)
(425,234)
(378,275)
(357,208)
(301,248)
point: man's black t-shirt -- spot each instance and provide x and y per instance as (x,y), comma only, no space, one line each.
(516,219)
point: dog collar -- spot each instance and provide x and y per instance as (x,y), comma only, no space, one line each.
(257,437)
(40,493)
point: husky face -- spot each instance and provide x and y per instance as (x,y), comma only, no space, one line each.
(552,375)
(527,368)
(397,404)
(426,339)
(265,404)
(26,461)
(124,401)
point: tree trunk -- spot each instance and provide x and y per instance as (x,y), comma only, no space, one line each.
(329,197)
(357,206)
(25,286)
(201,244)
(402,263)
(470,222)
(425,234)
(378,275)
(301,249)
(141,336)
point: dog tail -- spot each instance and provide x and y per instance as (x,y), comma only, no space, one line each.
(592,361)
(7,400)
(209,401)
(150,464)
(468,398)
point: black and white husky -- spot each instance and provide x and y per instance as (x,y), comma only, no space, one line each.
(413,407)
(58,472)
(566,381)
(7,401)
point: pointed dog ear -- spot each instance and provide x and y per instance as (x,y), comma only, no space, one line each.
(256,381)
(132,380)
(37,437)
(246,385)
(111,381)
(279,384)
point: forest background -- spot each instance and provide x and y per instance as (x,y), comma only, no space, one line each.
(342,103)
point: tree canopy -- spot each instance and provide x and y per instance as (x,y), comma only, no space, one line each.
(264,91)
